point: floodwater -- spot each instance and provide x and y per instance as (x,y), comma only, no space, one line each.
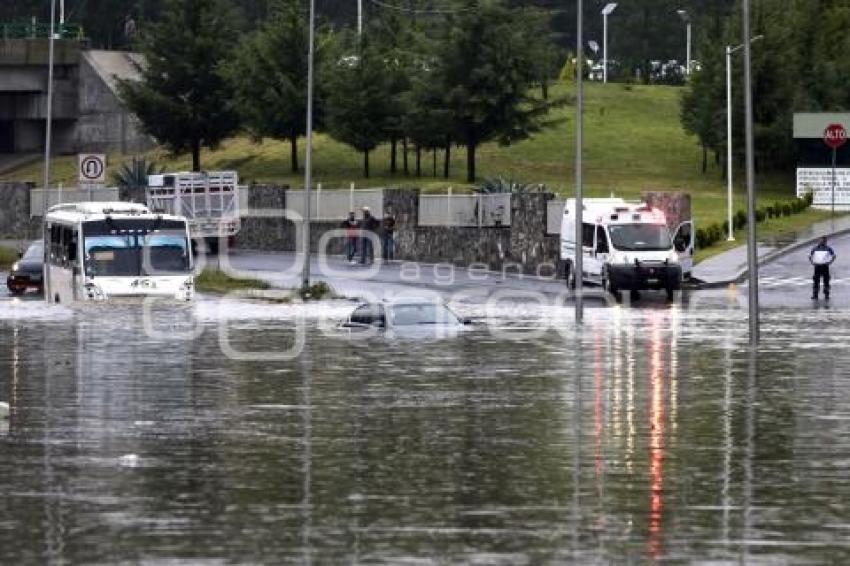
(655,433)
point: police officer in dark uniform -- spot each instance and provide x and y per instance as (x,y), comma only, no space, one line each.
(821,257)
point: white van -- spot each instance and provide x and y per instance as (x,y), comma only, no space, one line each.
(626,246)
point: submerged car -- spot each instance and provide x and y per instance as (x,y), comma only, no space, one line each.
(28,272)
(404,314)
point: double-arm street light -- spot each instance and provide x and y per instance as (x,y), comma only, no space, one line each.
(729,51)
(606,11)
(687,19)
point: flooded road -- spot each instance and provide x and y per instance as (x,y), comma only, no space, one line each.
(652,434)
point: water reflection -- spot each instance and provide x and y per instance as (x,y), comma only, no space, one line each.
(642,437)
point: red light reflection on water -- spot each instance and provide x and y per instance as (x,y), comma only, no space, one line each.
(656,442)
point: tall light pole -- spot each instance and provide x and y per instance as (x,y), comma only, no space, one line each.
(308,157)
(752,257)
(359,17)
(579,267)
(48,131)
(606,11)
(729,51)
(687,19)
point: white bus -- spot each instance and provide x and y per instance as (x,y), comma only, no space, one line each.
(99,250)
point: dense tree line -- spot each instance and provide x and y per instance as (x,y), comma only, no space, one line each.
(800,64)
(417,80)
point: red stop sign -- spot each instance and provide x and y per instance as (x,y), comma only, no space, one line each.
(835,136)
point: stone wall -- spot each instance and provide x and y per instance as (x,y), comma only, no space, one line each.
(522,247)
(15,221)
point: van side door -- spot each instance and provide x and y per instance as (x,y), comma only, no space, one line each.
(592,266)
(602,249)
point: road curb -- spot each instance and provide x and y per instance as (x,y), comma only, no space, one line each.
(741,275)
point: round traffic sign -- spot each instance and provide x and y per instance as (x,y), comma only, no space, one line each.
(91,168)
(835,136)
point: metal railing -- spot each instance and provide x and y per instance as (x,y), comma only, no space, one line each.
(33,30)
(335,204)
(60,196)
(465,210)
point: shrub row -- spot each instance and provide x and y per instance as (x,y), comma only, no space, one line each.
(710,235)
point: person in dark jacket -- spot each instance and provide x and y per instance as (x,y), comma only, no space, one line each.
(351,233)
(387,242)
(821,257)
(368,229)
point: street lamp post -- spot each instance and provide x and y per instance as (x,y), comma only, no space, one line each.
(729,51)
(47,141)
(579,267)
(359,17)
(687,19)
(606,11)
(752,257)
(308,157)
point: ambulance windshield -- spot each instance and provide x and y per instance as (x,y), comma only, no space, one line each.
(640,237)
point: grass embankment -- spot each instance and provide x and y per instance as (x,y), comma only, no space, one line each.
(8,256)
(218,282)
(214,281)
(634,141)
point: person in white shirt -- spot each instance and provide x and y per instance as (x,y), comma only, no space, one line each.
(821,257)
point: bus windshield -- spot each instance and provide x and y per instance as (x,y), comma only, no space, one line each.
(640,237)
(136,247)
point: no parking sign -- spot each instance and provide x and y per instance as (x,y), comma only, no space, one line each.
(92,168)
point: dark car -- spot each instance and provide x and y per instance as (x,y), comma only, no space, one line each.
(27,272)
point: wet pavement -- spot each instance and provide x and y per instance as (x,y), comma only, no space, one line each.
(241,432)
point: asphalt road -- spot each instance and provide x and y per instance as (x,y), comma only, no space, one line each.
(784,283)
(787,281)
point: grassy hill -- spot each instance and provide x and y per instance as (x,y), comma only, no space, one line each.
(633,141)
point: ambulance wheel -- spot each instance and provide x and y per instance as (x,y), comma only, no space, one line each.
(611,288)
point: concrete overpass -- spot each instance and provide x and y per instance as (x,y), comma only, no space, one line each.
(87,111)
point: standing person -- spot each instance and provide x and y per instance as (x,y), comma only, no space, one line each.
(821,257)
(388,244)
(351,232)
(368,228)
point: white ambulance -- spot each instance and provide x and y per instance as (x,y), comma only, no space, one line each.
(626,246)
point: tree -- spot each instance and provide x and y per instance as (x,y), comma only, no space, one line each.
(485,67)
(269,77)
(183,99)
(357,106)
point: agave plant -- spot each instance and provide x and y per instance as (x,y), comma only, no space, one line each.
(134,175)
(502,185)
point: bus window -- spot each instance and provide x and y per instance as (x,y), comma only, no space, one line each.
(165,253)
(55,249)
(69,242)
